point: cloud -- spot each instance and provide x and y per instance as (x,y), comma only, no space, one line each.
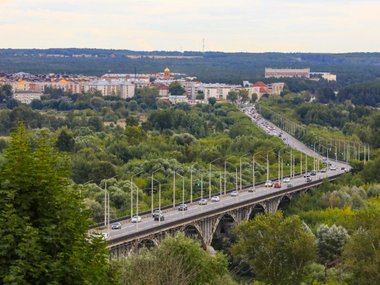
(239,25)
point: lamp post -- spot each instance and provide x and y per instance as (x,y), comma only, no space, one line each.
(131,183)
(159,197)
(240,166)
(107,204)
(209,178)
(191,182)
(152,190)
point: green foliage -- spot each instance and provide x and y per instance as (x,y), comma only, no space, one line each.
(178,260)
(175,88)
(65,141)
(361,253)
(331,241)
(275,248)
(43,227)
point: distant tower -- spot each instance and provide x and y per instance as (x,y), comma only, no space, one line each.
(167,73)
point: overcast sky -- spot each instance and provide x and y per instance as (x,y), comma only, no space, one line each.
(226,25)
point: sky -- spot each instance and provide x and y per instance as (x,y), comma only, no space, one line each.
(225,25)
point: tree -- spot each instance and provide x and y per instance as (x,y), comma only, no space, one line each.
(275,248)
(178,260)
(232,96)
(65,141)
(331,241)
(243,95)
(43,229)
(212,101)
(175,88)
(362,251)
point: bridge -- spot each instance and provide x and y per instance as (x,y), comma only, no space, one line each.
(213,221)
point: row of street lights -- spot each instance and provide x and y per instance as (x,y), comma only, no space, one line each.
(222,182)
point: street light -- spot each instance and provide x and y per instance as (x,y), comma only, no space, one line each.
(241,186)
(225,174)
(107,204)
(159,197)
(132,191)
(209,177)
(151,193)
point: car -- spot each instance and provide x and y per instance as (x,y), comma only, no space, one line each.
(343,168)
(332,167)
(268,183)
(234,193)
(159,217)
(202,202)
(156,212)
(323,170)
(277,185)
(313,173)
(136,219)
(251,189)
(286,180)
(182,207)
(116,226)
(306,175)
(308,179)
(215,199)
(290,185)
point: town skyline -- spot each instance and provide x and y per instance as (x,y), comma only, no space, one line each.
(251,26)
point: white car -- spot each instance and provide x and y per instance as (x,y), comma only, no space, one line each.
(332,167)
(215,199)
(286,180)
(268,183)
(136,219)
(234,194)
(202,202)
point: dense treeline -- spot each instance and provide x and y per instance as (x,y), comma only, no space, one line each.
(362,94)
(208,67)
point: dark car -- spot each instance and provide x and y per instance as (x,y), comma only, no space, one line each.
(116,226)
(182,207)
(308,179)
(313,173)
(159,217)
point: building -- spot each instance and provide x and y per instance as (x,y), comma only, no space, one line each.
(119,88)
(287,72)
(27,97)
(216,90)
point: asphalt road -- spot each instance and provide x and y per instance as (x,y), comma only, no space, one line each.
(193,209)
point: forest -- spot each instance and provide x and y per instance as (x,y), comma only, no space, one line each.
(208,67)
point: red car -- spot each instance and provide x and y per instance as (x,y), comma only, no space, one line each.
(277,185)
